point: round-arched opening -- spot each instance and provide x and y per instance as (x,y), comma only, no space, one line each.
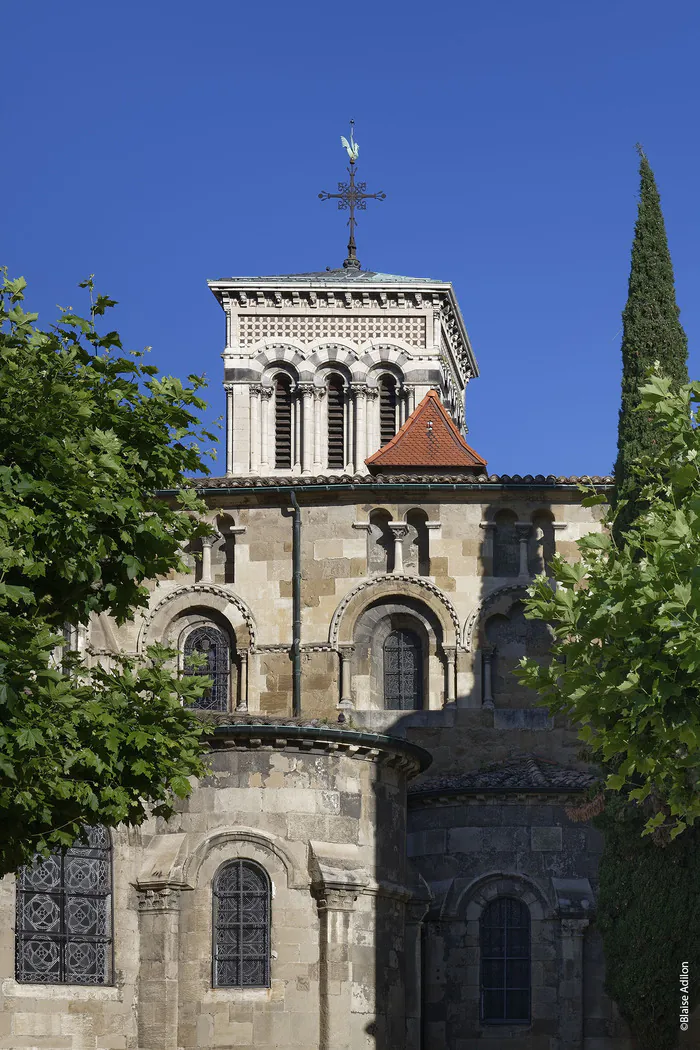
(388,401)
(336,422)
(283,422)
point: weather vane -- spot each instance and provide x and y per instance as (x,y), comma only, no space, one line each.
(351,195)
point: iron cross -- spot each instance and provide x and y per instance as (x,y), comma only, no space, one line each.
(352,195)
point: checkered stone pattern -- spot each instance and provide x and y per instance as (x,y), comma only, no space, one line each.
(357,329)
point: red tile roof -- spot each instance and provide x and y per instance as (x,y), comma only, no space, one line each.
(428,439)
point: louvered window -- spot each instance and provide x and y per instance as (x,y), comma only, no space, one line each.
(212,644)
(336,424)
(283,422)
(241,925)
(505,962)
(403,671)
(64,915)
(387,408)
(506,548)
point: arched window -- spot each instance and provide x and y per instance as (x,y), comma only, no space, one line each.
(211,643)
(416,556)
(541,544)
(505,962)
(387,408)
(403,671)
(336,423)
(241,926)
(283,422)
(64,915)
(506,548)
(380,542)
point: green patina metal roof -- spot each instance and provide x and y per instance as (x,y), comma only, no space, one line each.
(340,276)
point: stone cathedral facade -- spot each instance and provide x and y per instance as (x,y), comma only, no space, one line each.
(381,857)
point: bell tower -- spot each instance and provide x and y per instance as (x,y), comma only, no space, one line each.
(321,369)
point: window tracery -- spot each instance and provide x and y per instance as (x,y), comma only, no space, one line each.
(403,671)
(504,932)
(64,915)
(212,644)
(241,926)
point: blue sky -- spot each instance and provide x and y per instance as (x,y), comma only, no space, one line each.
(160,144)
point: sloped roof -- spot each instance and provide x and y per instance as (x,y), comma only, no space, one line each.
(520,772)
(430,440)
(342,276)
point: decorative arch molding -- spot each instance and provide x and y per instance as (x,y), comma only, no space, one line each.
(466,899)
(198,596)
(376,354)
(297,875)
(476,616)
(342,356)
(271,352)
(392,585)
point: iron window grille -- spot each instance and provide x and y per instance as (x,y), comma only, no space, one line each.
(505,962)
(403,671)
(64,915)
(212,644)
(241,926)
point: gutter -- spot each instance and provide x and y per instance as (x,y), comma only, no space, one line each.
(383,486)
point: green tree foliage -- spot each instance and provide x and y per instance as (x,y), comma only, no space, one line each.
(88,436)
(652,332)
(626,619)
(648,914)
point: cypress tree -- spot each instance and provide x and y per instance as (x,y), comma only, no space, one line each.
(635,873)
(651,332)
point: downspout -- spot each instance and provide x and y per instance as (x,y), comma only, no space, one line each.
(296,606)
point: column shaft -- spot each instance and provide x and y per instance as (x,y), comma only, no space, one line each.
(159,929)
(229,428)
(254,429)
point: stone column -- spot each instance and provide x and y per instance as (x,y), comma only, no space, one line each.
(360,426)
(207,544)
(571,984)
(307,392)
(255,428)
(242,704)
(319,394)
(159,934)
(335,907)
(296,421)
(346,652)
(487,654)
(349,429)
(450,656)
(400,531)
(229,428)
(266,393)
(416,910)
(522,531)
(372,420)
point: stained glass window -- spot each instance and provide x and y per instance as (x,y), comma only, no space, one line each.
(213,645)
(64,915)
(403,671)
(505,962)
(241,926)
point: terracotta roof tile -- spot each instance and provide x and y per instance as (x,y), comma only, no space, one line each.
(430,440)
(522,773)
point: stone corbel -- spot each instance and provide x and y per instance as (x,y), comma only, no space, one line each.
(337,874)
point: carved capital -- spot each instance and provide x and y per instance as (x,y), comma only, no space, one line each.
(399,529)
(306,389)
(209,541)
(523,530)
(336,898)
(574,928)
(266,392)
(319,392)
(163,898)
(255,389)
(371,393)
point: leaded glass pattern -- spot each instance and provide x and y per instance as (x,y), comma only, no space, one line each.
(505,962)
(211,643)
(64,915)
(403,671)
(241,926)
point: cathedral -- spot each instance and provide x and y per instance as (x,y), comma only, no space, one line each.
(381,857)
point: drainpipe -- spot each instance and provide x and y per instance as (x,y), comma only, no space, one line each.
(296,607)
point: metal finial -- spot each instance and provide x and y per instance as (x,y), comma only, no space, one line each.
(351,195)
